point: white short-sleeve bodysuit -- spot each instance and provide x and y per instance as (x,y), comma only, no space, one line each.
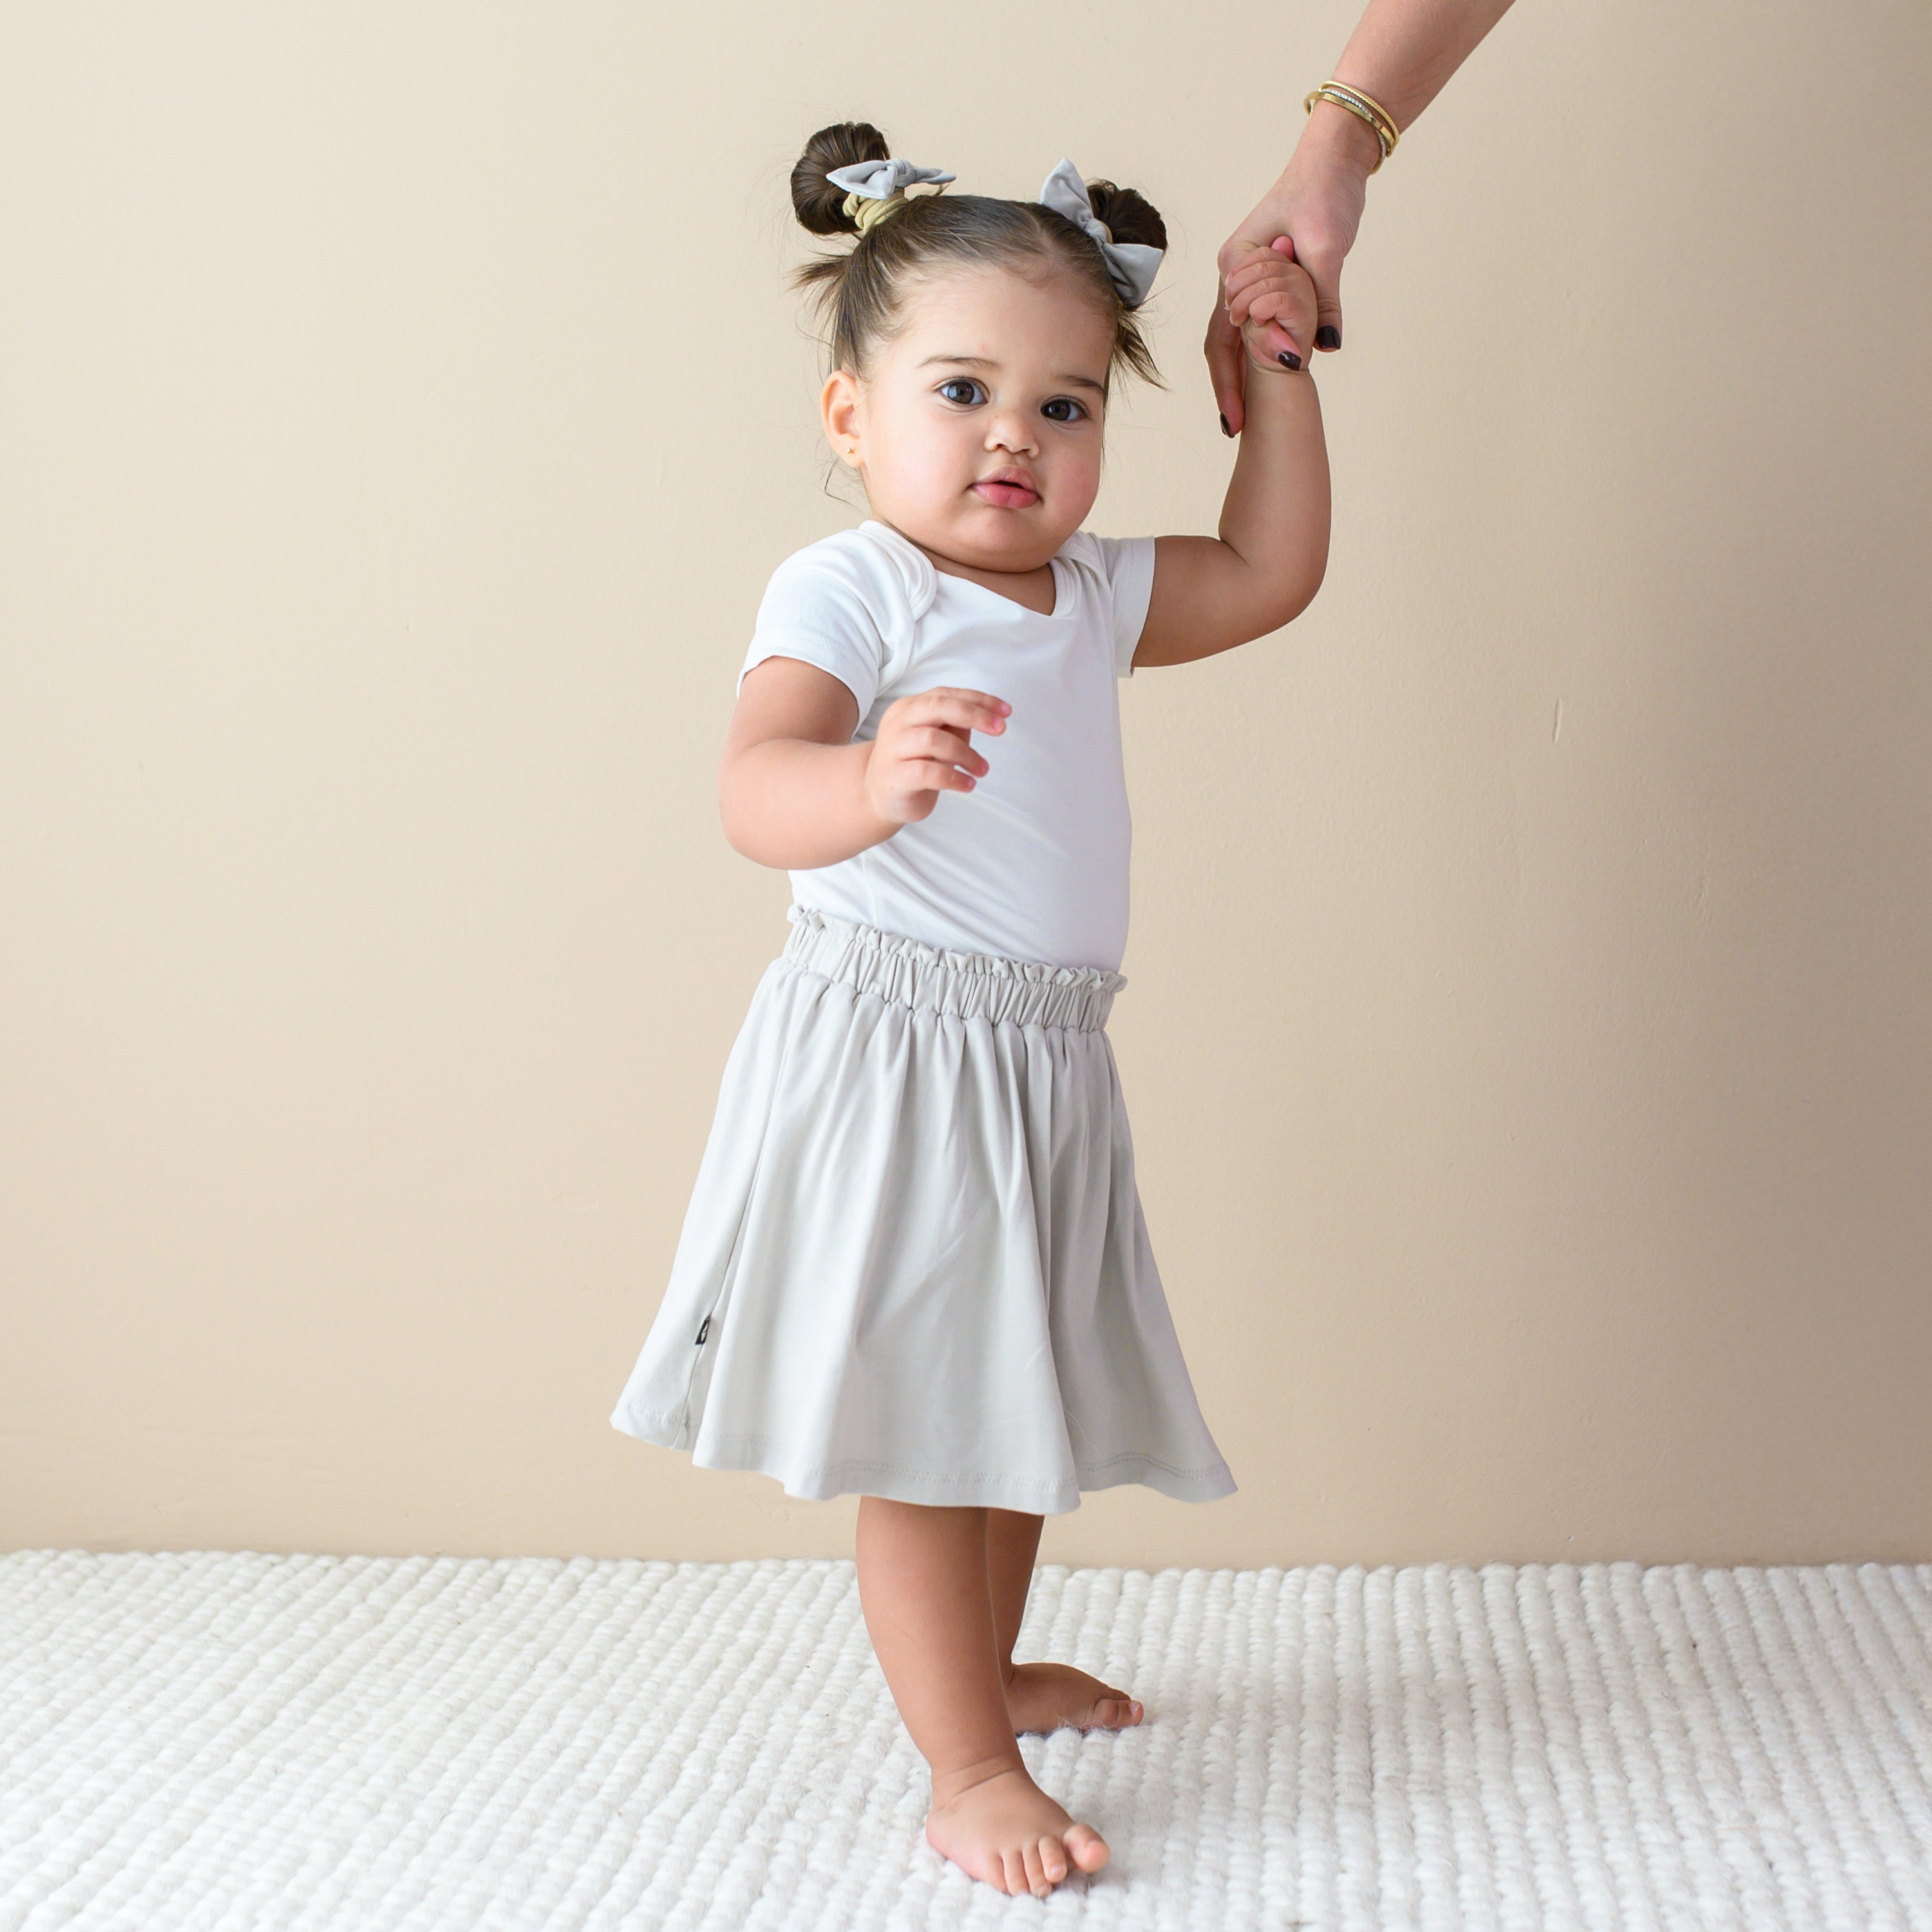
(1033,862)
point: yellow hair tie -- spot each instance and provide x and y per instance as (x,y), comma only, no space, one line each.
(867,210)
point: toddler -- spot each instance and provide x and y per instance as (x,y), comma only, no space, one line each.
(914,1266)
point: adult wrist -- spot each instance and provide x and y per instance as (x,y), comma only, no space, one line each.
(1340,139)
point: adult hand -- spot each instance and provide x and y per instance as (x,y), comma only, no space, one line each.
(1317,204)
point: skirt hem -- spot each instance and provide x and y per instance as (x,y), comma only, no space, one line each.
(857,1476)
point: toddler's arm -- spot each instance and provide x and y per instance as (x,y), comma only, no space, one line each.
(795,791)
(1211,594)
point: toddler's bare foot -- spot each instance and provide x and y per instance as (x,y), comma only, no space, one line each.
(1043,1696)
(1001,1827)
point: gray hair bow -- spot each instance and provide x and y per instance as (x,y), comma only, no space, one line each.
(1133,264)
(880,181)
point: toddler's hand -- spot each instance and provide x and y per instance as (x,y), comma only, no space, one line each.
(923,748)
(1270,285)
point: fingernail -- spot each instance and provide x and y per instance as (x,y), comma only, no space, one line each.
(1289,361)
(1328,337)
(1224,430)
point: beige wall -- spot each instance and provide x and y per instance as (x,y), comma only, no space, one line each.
(1528,1037)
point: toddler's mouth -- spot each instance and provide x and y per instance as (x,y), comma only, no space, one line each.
(1008,490)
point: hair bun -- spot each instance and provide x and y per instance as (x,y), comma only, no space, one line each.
(1129,214)
(818,203)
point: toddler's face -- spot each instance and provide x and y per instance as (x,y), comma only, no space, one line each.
(978,431)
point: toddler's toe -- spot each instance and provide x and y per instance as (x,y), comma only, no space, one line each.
(1037,1882)
(1086,1847)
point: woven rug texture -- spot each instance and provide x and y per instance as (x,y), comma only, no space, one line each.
(223,1742)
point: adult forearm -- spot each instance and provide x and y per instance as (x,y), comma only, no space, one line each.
(1403,51)
(1400,54)
(796,805)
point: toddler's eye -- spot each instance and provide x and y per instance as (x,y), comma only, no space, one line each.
(1062,409)
(961,389)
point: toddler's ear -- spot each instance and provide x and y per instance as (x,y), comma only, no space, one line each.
(838,412)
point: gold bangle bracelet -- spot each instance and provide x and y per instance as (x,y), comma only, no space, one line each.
(1365,108)
(1378,116)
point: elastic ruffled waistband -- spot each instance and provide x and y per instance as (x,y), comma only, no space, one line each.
(975,985)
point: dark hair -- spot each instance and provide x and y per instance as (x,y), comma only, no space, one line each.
(859,294)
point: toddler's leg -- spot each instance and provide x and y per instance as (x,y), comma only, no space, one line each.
(928,1604)
(1041,1696)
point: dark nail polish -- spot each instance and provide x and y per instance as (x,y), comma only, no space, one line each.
(1289,361)
(1224,430)
(1328,336)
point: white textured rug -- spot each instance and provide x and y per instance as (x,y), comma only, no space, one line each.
(220,1741)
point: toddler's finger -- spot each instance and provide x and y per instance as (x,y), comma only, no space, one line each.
(1289,311)
(940,741)
(1237,251)
(977,710)
(1271,269)
(1240,308)
(1265,263)
(918,775)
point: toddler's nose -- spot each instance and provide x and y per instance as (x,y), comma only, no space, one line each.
(1009,430)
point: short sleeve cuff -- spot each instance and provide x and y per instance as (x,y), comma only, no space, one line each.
(836,659)
(1133,591)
